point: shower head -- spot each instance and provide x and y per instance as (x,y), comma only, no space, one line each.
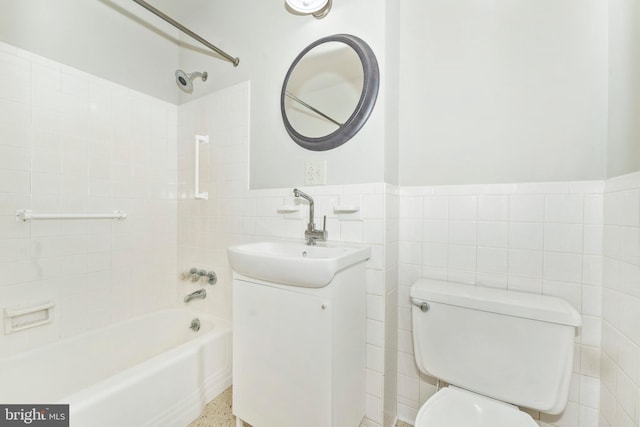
(185,81)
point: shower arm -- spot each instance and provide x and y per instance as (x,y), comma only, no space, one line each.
(225,55)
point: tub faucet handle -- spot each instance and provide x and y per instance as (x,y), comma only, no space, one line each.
(200,275)
(211,278)
(188,274)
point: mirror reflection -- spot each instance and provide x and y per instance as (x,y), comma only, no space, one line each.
(329,92)
(324,89)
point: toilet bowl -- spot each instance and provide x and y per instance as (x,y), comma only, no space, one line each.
(456,407)
(498,350)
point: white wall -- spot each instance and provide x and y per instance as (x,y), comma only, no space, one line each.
(267,38)
(496,92)
(74,143)
(113,39)
(624,88)
(392,84)
(491,81)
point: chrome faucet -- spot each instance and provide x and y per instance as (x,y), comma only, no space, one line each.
(311,234)
(199,294)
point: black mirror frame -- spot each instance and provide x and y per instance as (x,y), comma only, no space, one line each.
(362,110)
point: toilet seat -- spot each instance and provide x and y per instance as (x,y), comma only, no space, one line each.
(455,407)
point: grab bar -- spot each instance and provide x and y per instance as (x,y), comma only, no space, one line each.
(26,215)
(200,139)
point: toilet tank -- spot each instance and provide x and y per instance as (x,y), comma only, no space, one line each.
(511,346)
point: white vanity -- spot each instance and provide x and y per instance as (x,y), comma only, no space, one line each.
(299,319)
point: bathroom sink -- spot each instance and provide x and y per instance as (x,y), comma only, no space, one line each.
(294,263)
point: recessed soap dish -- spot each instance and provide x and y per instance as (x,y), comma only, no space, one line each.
(21,318)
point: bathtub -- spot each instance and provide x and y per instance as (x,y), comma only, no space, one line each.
(151,370)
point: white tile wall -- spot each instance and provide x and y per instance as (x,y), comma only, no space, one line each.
(66,141)
(620,388)
(207,227)
(540,238)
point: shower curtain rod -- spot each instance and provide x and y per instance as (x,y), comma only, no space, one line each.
(188,32)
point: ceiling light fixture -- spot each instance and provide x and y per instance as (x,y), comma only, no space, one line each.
(318,8)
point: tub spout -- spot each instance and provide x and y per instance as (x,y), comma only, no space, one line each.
(199,294)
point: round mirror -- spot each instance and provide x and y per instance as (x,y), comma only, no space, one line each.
(329,92)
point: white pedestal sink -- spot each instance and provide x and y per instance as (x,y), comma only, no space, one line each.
(299,334)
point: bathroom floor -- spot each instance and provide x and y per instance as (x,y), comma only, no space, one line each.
(218,413)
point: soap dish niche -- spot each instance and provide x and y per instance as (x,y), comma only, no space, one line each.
(20,318)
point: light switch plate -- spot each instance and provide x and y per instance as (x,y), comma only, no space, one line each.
(315,172)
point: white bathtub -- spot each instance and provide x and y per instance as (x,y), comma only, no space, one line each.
(151,370)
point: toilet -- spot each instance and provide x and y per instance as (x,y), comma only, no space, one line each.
(496,349)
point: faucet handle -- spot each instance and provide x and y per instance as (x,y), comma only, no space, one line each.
(211,278)
(324,228)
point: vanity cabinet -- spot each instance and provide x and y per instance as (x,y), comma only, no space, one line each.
(299,353)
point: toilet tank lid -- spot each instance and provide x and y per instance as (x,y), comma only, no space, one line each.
(512,303)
